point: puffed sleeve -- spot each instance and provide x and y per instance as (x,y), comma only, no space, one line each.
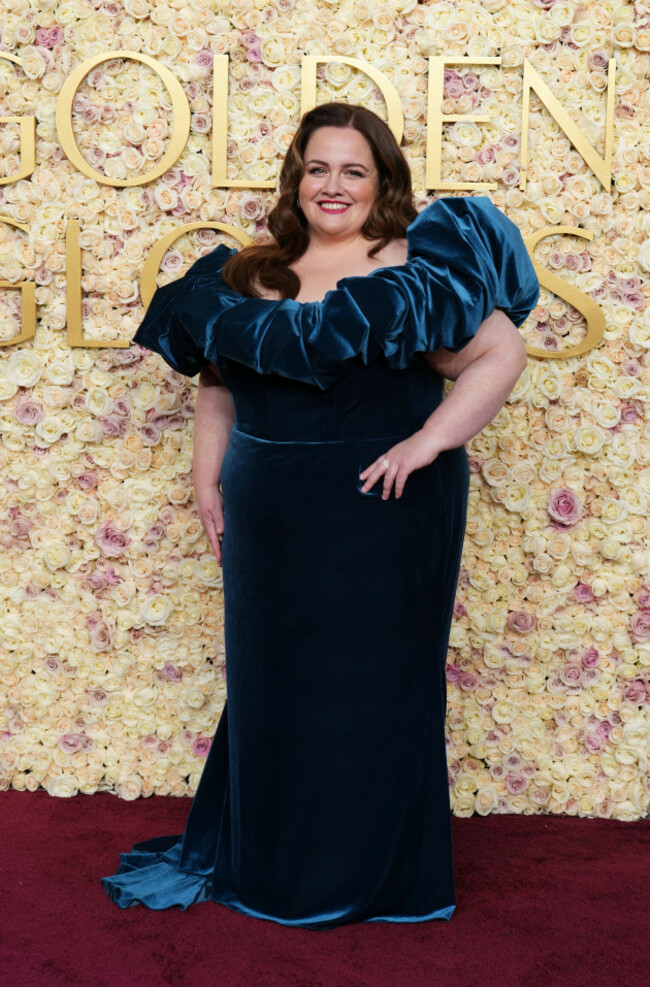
(465,258)
(164,332)
(199,320)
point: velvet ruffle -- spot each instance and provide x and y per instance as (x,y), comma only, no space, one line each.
(465,258)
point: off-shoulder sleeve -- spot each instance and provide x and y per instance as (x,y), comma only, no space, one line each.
(199,320)
(465,258)
(165,332)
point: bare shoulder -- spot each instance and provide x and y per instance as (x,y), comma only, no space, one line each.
(393,254)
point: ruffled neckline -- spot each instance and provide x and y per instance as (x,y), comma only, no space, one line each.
(464,259)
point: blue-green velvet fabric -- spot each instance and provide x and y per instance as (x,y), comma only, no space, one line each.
(325,797)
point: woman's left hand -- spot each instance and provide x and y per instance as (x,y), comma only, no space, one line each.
(412,454)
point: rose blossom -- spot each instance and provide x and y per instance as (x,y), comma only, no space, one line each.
(640,625)
(571,674)
(87,480)
(71,743)
(101,635)
(635,692)
(564,507)
(99,697)
(629,414)
(110,539)
(171,672)
(594,742)
(28,412)
(583,593)
(201,746)
(516,783)
(521,621)
(590,658)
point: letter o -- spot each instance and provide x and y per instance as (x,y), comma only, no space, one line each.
(180,109)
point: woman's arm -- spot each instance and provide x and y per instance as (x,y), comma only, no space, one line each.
(485,372)
(213,419)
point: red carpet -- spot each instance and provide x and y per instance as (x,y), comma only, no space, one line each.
(542,900)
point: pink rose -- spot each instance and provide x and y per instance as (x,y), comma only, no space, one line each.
(598,60)
(110,539)
(150,434)
(101,637)
(521,621)
(564,507)
(87,480)
(590,658)
(71,743)
(20,527)
(583,593)
(28,412)
(171,672)
(629,414)
(454,88)
(571,674)
(468,681)
(113,426)
(640,625)
(201,746)
(516,783)
(635,692)
(590,677)
(200,123)
(453,674)
(99,697)
(594,742)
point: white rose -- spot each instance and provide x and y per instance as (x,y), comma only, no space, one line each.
(62,787)
(156,609)
(23,368)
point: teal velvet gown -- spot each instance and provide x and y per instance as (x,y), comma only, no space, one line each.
(325,798)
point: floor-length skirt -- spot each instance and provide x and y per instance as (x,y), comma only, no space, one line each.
(325,797)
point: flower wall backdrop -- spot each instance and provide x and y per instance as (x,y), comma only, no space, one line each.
(113,673)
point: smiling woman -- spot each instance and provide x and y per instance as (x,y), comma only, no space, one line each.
(332,482)
(336,195)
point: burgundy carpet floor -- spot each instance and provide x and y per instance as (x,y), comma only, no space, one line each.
(542,900)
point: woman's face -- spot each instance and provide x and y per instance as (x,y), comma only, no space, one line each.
(339,183)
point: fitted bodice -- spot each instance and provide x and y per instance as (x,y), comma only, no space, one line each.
(363,402)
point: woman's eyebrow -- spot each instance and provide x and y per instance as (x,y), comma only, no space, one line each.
(348,164)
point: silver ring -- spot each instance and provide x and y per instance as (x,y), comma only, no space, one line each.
(384,462)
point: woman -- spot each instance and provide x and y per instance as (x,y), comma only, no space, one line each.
(325,798)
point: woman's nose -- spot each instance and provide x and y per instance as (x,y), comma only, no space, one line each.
(333,184)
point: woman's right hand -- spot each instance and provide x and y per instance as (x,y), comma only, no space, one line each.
(210,501)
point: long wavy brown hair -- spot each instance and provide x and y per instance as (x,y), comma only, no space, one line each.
(392,211)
